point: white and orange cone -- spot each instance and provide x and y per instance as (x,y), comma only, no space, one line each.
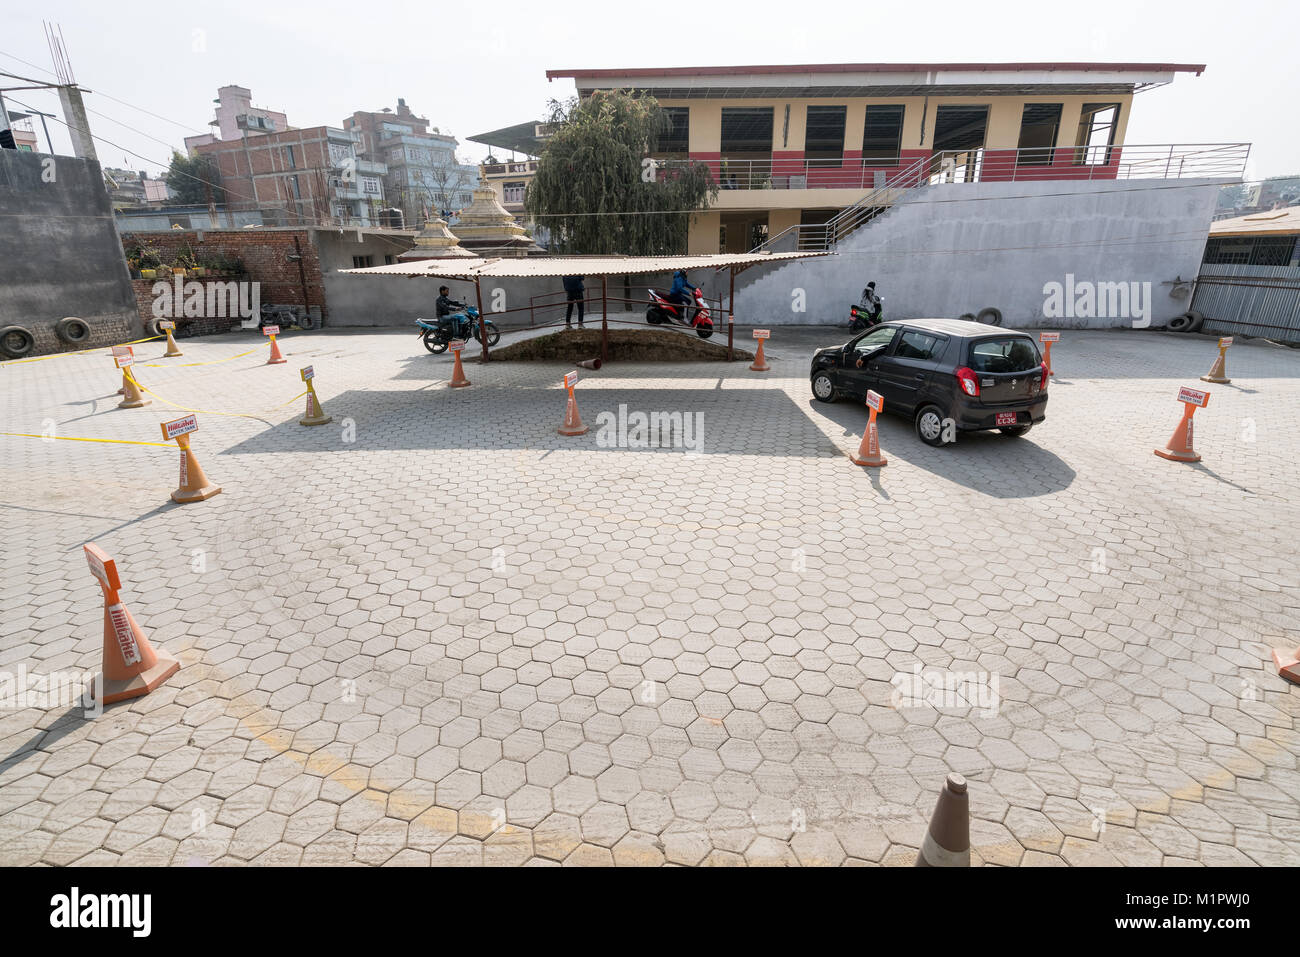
(131,666)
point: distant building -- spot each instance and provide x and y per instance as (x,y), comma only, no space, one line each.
(424,178)
(20,124)
(1267,238)
(236,116)
(509,178)
(307,176)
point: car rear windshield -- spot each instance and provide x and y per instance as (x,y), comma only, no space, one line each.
(1007,354)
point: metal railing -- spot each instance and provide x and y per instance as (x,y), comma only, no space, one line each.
(1164,161)
(1208,161)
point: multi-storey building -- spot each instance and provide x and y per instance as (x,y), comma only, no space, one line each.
(424,178)
(793,146)
(300,177)
(236,116)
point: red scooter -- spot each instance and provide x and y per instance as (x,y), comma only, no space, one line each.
(661,312)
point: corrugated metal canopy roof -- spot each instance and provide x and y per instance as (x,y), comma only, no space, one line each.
(1276,222)
(539,266)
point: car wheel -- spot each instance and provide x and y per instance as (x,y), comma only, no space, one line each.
(823,387)
(930,425)
(1016,431)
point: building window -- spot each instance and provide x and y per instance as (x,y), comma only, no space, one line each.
(676,138)
(388,259)
(1247,251)
(882,136)
(362,262)
(824,139)
(1039,124)
(293,184)
(369,185)
(1096,134)
(514,192)
(747,129)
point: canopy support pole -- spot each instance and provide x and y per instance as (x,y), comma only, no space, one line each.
(604,322)
(482,319)
(731,314)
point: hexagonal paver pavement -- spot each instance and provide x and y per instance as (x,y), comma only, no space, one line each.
(437,632)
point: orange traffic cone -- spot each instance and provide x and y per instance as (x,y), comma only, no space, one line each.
(1179,447)
(195,486)
(275,358)
(1219,371)
(947,839)
(458,380)
(760,362)
(172,349)
(589,364)
(132,667)
(132,399)
(1288,663)
(869,450)
(572,420)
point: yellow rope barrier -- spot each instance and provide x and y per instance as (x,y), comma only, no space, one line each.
(78,352)
(186,408)
(78,438)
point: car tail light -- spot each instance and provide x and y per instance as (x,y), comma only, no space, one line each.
(1042,383)
(969,384)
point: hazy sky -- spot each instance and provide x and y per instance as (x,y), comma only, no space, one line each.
(471,67)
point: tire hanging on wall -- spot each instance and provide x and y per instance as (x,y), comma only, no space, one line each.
(72,330)
(990,315)
(16,342)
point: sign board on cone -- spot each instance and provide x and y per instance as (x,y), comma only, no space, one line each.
(1193,397)
(123,351)
(102,567)
(177,427)
(270,330)
(762,333)
(570,379)
(308,373)
(456,345)
(1225,342)
(166,324)
(875,401)
(1050,337)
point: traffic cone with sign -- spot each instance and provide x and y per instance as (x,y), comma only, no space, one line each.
(131,666)
(194,486)
(275,358)
(122,351)
(1179,448)
(1047,338)
(869,450)
(1288,663)
(315,415)
(947,839)
(131,396)
(572,420)
(458,380)
(172,349)
(760,362)
(1218,371)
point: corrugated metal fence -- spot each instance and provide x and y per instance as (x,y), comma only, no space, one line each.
(1250,300)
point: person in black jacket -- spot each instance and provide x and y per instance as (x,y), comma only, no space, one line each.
(575,292)
(446,306)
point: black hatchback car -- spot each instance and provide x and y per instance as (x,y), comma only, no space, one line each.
(948,375)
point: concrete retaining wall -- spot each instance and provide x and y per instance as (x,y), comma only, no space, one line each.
(59,252)
(950,249)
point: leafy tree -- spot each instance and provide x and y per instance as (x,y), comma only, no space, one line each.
(594,189)
(189,177)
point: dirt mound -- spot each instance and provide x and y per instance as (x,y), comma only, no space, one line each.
(625,345)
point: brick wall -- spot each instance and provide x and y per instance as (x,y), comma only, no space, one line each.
(265,253)
(145,298)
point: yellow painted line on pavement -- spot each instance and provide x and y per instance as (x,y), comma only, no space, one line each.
(79,438)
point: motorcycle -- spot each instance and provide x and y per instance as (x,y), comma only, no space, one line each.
(461,325)
(661,312)
(861,318)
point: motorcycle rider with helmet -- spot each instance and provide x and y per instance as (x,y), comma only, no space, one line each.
(678,293)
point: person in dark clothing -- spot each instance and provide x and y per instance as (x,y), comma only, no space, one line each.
(575,292)
(678,292)
(446,306)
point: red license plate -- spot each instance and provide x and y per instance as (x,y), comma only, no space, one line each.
(1006,418)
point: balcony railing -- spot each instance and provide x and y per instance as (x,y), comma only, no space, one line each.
(1177,161)
(508,169)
